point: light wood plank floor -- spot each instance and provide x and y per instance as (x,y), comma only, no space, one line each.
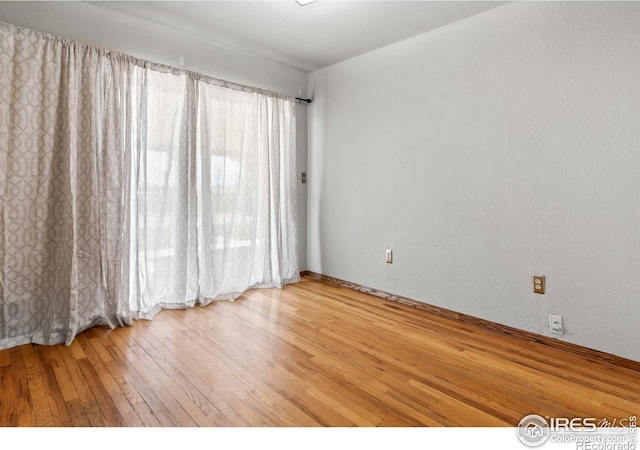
(312,354)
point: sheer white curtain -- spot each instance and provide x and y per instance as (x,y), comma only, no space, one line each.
(213,192)
(246,192)
(164,270)
(127,187)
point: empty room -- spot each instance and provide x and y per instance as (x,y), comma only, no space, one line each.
(322,214)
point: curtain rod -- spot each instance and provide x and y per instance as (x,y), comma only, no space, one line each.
(303,100)
(144,63)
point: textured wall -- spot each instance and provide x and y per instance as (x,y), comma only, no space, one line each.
(497,147)
(86,23)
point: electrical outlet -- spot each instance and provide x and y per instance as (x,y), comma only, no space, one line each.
(555,324)
(538,284)
(389,257)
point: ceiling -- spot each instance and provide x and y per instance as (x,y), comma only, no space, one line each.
(302,37)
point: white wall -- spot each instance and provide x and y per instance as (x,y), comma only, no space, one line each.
(501,146)
(89,24)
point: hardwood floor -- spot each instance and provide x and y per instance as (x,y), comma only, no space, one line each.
(312,354)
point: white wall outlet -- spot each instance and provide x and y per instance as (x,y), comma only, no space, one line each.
(389,257)
(555,324)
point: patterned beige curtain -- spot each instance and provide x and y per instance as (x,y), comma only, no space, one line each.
(62,172)
(127,187)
